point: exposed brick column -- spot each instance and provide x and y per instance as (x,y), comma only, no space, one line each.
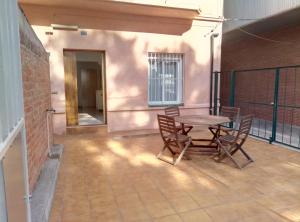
(36,88)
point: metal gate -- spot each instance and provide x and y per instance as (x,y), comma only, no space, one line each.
(271,94)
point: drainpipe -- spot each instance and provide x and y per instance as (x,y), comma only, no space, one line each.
(212,37)
(49,112)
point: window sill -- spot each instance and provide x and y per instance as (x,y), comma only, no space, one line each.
(165,105)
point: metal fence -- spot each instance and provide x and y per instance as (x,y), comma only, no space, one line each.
(271,94)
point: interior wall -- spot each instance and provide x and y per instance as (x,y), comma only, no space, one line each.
(82,68)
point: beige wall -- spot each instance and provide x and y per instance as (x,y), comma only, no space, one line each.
(127,66)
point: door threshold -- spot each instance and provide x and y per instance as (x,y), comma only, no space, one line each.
(86,126)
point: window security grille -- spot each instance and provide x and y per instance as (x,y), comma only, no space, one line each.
(165,78)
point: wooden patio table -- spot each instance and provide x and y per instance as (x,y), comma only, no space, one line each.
(203,121)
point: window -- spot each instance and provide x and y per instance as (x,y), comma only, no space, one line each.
(165,78)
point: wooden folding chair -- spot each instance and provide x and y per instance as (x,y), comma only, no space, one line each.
(173,111)
(175,142)
(217,130)
(229,144)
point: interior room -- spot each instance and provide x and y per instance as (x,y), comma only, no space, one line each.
(90,88)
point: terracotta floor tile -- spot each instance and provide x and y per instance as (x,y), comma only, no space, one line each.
(107,216)
(159,209)
(234,211)
(172,218)
(264,218)
(151,196)
(130,199)
(195,216)
(75,217)
(134,213)
(101,209)
(107,178)
(183,204)
(279,201)
(205,200)
(291,213)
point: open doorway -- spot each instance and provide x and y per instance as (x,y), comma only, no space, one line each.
(85,87)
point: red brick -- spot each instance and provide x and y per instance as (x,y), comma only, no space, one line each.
(36,87)
(248,53)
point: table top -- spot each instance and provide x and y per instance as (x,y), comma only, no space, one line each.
(200,120)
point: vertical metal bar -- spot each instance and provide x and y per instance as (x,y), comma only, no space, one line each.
(163,77)
(154,58)
(216,92)
(149,78)
(210,93)
(294,104)
(258,133)
(232,88)
(232,91)
(275,105)
(284,106)
(265,133)
(25,173)
(3,207)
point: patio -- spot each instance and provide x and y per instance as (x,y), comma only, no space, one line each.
(110,178)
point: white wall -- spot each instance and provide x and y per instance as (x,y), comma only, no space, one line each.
(11,95)
(11,98)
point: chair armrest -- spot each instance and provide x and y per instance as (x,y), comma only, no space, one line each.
(213,127)
(226,129)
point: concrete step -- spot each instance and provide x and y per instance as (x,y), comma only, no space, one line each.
(43,193)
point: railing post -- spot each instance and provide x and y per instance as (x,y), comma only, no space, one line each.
(232,88)
(210,94)
(275,105)
(216,92)
(232,91)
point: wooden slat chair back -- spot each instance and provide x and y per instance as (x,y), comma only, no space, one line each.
(173,111)
(231,143)
(233,114)
(175,142)
(244,129)
(166,126)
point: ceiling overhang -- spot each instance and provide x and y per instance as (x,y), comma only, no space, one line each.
(123,7)
(278,21)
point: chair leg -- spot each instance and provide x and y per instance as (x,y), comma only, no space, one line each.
(184,131)
(246,154)
(175,160)
(215,135)
(220,156)
(243,152)
(160,155)
(161,152)
(188,130)
(227,153)
(183,151)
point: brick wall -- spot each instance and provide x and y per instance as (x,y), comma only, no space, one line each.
(248,53)
(36,87)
